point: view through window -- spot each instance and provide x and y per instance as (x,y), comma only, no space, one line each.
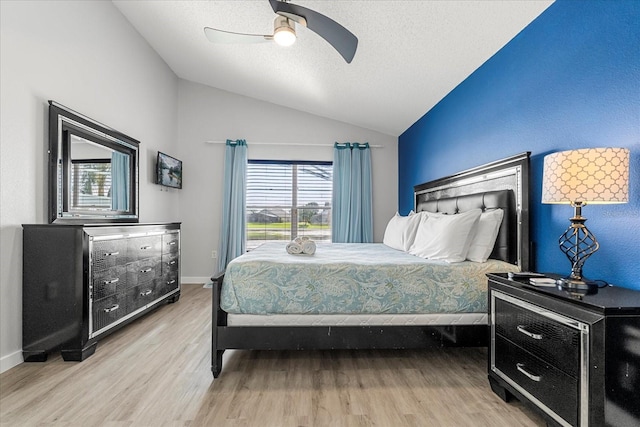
(288,199)
(92,179)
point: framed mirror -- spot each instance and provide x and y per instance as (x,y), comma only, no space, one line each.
(93,170)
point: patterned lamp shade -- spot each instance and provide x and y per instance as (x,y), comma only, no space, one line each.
(586,176)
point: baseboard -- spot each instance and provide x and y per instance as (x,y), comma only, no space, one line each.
(10,360)
(194,280)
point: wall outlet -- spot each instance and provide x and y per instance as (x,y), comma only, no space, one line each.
(214,254)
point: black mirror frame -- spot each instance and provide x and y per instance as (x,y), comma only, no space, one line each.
(62,117)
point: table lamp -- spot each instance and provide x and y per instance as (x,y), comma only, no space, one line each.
(581,177)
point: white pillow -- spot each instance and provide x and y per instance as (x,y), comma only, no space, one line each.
(401,230)
(445,237)
(485,235)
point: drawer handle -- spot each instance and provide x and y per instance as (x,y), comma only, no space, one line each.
(172,243)
(171,282)
(520,367)
(112,308)
(145,293)
(522,329)
(171,262)
(145,247)
(111,282)
(112,253)
(146,270)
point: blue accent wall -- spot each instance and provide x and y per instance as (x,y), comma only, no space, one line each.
(571,79)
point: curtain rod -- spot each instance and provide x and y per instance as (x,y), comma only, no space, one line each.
(288,143)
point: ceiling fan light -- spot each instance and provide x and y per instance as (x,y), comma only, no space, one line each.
(284,32)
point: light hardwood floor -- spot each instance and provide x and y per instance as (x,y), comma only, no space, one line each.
(156,372)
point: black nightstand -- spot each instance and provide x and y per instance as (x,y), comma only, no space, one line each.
(575,358)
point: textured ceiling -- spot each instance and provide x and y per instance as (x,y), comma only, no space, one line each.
(410,53)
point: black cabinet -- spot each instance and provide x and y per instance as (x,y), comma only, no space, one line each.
(573,357)
(81,282)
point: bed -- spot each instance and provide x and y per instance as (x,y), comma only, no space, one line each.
(265,301)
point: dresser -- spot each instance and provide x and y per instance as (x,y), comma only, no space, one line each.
(575,358)
(82,282)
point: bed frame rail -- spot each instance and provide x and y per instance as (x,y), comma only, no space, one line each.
(333,337)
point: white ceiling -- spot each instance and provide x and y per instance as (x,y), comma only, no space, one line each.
(410,54)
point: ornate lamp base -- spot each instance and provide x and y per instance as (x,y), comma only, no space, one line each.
(578,244)
(569,283)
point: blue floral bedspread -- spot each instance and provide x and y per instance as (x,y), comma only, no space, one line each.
(353,278)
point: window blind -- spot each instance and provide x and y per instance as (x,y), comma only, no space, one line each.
(92,178)
(288,199)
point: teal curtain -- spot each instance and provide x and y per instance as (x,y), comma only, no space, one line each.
(232,241)
(352,211)
(119,181)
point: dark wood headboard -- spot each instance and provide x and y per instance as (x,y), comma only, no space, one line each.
(501,184)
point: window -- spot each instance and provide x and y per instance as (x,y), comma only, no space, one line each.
(288,199)
(92,181)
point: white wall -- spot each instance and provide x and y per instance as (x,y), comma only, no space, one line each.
(86,56)
(206,114)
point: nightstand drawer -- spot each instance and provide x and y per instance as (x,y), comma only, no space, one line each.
(551,341)
(552,387)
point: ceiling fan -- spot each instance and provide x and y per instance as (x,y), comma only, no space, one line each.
(284,32)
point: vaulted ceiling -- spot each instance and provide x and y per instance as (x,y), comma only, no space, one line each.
(410,54)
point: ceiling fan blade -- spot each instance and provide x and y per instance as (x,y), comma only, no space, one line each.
(335,34)
(221,36)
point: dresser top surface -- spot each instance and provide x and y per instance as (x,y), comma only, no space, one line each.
(102,225)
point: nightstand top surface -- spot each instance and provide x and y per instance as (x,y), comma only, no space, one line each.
(609,299)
